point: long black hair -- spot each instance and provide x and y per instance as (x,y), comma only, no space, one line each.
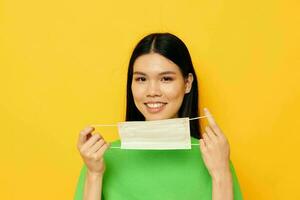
(173,48)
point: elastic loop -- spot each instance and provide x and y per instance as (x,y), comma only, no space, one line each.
(120,147)
(127,121)
(198,117)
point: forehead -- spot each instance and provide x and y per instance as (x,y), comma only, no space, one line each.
(154,63)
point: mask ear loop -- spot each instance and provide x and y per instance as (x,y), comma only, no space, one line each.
(197,144)
(112,147)
(198,117)
(95,125)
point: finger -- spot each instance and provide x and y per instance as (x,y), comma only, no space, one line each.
(202,145)
(83,135)
(102,150)
(212,122)
(201,142)
(91,141)
(206,139)
(96,146)
(211,134)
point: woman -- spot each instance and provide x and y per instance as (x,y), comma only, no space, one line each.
(161,84)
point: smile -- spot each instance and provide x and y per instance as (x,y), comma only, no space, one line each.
(155,107)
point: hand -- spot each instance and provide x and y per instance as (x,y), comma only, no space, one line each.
(92,149)
(215,148)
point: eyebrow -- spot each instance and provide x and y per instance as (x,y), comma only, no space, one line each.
(162,73)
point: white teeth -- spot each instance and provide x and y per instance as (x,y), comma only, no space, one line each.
(154,105)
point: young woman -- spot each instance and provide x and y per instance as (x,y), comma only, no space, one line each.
(161,84)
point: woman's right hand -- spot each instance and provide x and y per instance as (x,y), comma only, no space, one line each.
(92,149)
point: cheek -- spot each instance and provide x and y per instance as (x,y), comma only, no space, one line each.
(174,92)
(137,92)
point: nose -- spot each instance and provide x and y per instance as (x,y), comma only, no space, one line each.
(153,89)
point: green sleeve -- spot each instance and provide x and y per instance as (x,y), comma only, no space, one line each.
(237,193)
(80,184)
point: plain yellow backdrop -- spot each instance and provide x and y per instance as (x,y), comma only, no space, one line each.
(64,63)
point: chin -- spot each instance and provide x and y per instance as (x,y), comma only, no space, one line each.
(154,118)
(157,117)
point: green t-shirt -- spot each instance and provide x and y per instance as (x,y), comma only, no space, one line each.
(155,175)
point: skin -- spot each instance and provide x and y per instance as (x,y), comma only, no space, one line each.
(92,148)
(216,155)
(156,78)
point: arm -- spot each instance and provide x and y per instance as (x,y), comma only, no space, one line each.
(93,186)
(222,188)
(92,149)
(216,155)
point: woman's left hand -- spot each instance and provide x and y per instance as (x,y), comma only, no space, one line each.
(215,148)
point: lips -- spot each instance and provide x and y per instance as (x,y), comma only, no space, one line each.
(155,106)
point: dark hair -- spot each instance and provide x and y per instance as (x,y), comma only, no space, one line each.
(171,47)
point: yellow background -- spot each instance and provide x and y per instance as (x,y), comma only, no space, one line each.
(64,63)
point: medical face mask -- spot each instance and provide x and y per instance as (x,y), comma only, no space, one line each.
(157,134)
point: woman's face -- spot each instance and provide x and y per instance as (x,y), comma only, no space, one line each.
(158,86)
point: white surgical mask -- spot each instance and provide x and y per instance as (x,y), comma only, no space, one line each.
(171,133)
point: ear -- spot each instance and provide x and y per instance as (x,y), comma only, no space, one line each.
(188,83)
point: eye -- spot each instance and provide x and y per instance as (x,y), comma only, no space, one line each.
(167,79)
(140,79)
